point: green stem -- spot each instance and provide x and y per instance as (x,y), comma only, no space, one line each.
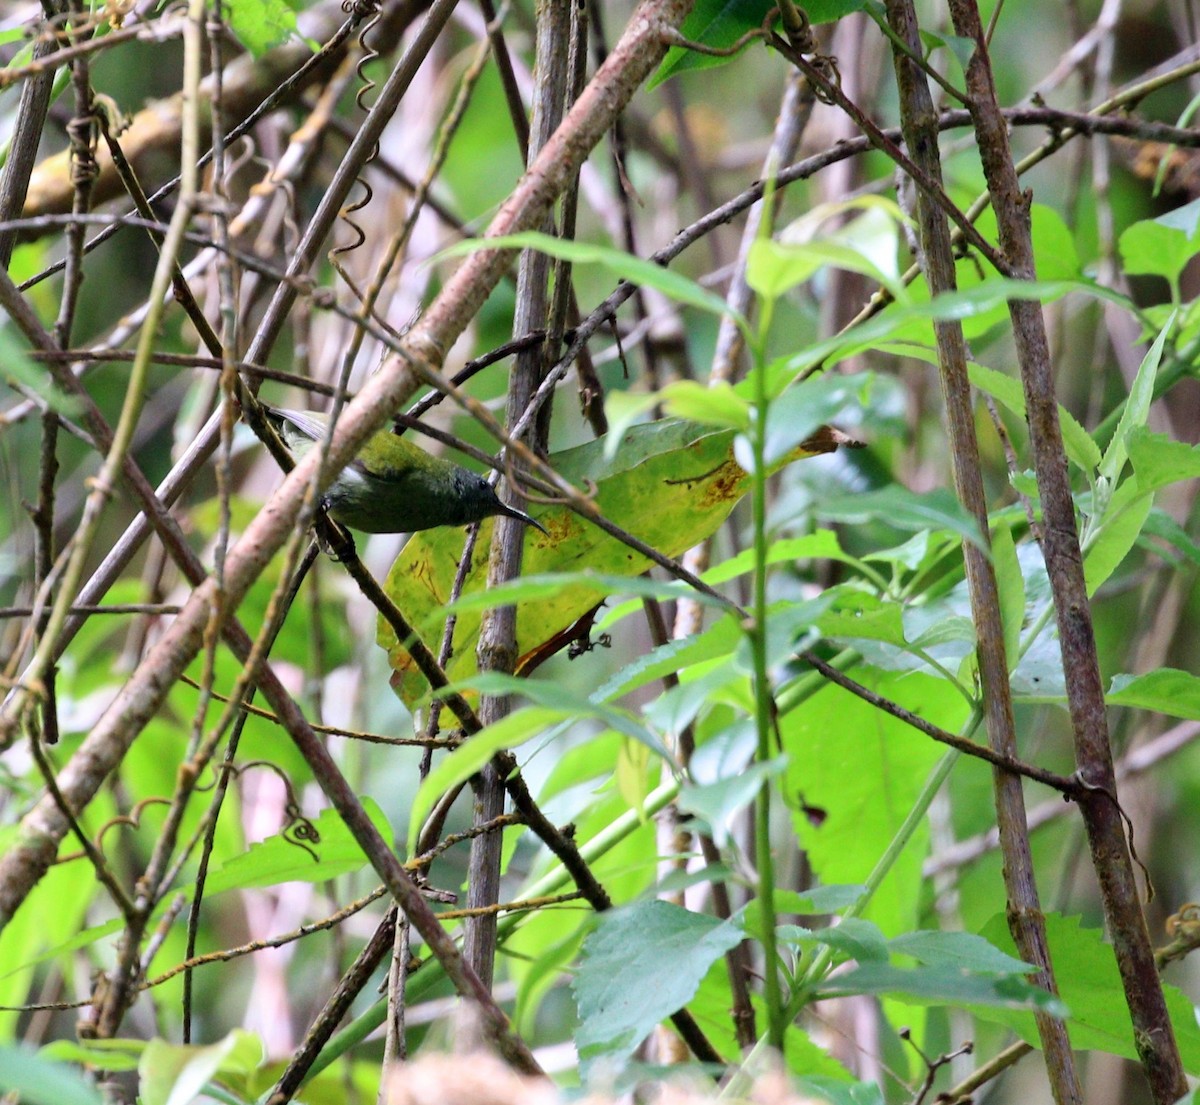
(776,1022)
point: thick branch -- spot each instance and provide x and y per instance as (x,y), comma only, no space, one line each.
(1153,1034)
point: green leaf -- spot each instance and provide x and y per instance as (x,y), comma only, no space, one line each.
(671,484)
(20,368)
(821,545)
(715,404)
(1079,444)
(943,986)
(1162,246)
(720,23)
(832,1092)
(1165,691)
(958,47)
(963,950)
(556,696)
(1159,460)
(176,1074)
(801,410)
(1085,971)
(623,265)
(262,24)
(773,268)
(1010,582)
(278,860)
(863,770)
(718,640)
(1137,406)
(859,615)
(641,964)
(904,509)
(472,754)
(37,1080)
(980,301)
(718,804)
(624,409)
(714,23)
(855,938)
(535,588)
(1120,528)
(1161,525)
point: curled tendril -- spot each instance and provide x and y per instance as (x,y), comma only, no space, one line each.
(369,10)
(299,830)
(132,819)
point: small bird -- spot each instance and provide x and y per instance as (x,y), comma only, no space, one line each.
(393,485)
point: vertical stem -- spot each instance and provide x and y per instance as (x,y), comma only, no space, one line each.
(497,648)
(763,706)
(1154,1036)
(918,122)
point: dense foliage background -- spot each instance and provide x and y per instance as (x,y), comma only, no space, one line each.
(763,746)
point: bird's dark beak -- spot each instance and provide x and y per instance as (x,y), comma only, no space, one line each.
(521,516)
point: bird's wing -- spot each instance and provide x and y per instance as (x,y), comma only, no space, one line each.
(311,426)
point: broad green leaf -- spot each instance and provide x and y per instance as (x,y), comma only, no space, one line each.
(823,899)
(1137,407)
(624,266)
(1159,460)
(117,1054)
(624,409)
(904,509)
(1165,691)
(717,24)
(1161,525)
(958,47)
(719,803)
(1085,971)
(773,268)
(1011,585)
(720,405)
(831,1092)
(176,1074)
(909,321)
(719,640)
(1079,444)
(509,732)
(1119,530)
(22,369)
(556,696)
(714,404)
(944,631)
(37,1080)
(963,950)
(943,986)
(863,769)
(860,615)
(787,623)
(811,903)
(262,24)
(821,545)
(855,938)
(641,964)
(46,928)
(801,410)
(671,484)
(631,774)
(278,860)
(1162,246)
(534,588)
